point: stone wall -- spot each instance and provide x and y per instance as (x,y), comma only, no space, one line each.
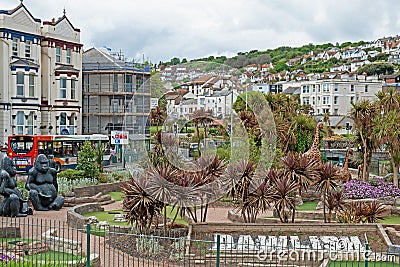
(332,228)
(74,215)
(88,191)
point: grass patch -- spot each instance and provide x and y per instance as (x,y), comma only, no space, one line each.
(106,216)
(307,206)
(390,220)
(53,256)
(117,196)
(362,264)
(171,214)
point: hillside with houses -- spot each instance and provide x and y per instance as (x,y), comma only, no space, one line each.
(325,78)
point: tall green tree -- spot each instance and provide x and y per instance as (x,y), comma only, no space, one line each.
(363,114)
(386,127)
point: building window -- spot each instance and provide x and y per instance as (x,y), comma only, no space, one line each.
(31,85)
(115,106)
(58,54)
(68,56)
(352,88)
(63,88)
(20,122)
(63,121)
(15,47)
(325,111)
(325,100)
(28,49)
(325,87)
(306,100)
(336,100)
(336,87)
(352,99)
(306,89)
(128,83)
(72,124)
(72,88)
(115,83)
(29,123)
(366,89)
(336,111)
(20,83)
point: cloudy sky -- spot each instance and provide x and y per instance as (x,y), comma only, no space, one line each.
(161,30)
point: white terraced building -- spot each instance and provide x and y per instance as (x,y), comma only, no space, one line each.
(40,74)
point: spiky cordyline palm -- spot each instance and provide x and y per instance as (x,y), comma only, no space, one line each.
(301,169)
(201,117)
(326,181)
(257,201)
(140,207)
(283,193)
(373,211)
(157,117)
(242,174)
(335,201)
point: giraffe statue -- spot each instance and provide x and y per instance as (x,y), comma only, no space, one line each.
(313,153)
(345,174)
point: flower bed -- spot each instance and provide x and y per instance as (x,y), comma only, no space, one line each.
(374,188)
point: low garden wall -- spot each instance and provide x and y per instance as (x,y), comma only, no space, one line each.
(88,191)
(74,215)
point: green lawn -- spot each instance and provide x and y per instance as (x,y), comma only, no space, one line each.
(52,256)
(171,214)
(390,220)
(107,216)
(117,196)
(307,206)
(362,264)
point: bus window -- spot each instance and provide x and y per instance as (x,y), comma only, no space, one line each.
(57,146)
(23,144)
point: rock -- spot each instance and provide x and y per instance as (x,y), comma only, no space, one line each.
(92,220)
(298,200)
(320,205)
(387,211)
(104,225)
(119,218)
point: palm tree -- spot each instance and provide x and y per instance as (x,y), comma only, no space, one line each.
(140,207)
(258,201)
(241,188)
(201,117)
(335,201)
(386,127)
(284,191)
(363,114)
(326,181)
(157,117)
(300,169)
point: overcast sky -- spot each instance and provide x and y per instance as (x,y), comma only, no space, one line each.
(161,30)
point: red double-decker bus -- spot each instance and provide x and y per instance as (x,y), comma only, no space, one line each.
(62,149)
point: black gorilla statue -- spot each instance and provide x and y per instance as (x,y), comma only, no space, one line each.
(42,186)
(13,205)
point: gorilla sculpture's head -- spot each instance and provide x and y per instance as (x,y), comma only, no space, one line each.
(9,166)
(42,163)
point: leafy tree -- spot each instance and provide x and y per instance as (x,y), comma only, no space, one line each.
(88,160)
(377,68)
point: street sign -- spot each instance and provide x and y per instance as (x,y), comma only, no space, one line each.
(119,137)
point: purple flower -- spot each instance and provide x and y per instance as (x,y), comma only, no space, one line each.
(375,188)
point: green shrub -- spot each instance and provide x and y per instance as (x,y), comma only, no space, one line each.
(71,174)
